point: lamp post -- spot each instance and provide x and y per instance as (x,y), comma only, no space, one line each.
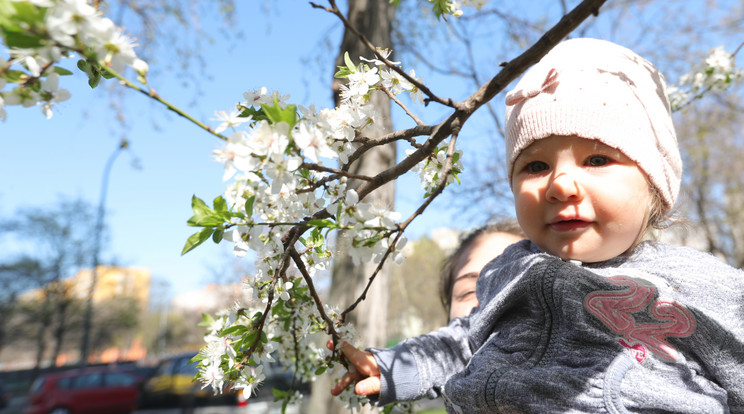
(87,322)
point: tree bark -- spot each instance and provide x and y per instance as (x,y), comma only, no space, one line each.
(373,19)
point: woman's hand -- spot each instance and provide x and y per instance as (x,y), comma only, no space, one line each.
(363,371)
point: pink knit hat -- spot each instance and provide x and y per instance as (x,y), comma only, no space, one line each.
(598,90)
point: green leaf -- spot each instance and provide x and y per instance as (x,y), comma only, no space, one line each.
(196,239)
(349,63)
(28,13)
(199,207)
(83,65)
(278,394)
(217,235)
(15,76)
(256,113)
(205,221)
(342,73)
(197,358)
(94,78)
(62,71)
(21,39)
(321,223)
(7,13)
(248,340)
(249,206)
(234,330)
(316,237)
(207,320)
(90,69)
(220,205)
(276,114)
(320,370)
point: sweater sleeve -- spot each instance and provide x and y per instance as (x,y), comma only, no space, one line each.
(418,367)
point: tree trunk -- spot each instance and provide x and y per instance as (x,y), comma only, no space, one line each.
(374,20)
(60,329)
(44,321)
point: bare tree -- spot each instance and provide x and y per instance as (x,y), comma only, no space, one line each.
(59,239)
(711,136)
(16,276)
(373,21)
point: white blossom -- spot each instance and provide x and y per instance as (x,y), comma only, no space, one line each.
(229,120)
(385,53)
(250,378)
(213,376)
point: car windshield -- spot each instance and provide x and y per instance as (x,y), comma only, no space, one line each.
(184,368)
(91,380)
(37,385)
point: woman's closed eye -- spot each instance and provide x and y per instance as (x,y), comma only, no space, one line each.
(465,295)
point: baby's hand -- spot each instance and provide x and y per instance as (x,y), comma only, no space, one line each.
(363,371)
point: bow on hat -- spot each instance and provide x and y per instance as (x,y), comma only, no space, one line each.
(517,96)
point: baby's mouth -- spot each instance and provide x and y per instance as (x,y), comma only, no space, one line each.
(568,225)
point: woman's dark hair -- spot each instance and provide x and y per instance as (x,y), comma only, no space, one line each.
(447,276)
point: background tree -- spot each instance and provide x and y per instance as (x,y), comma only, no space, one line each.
(414,307)
(16,277)
(59,239)
(711,134)
(373,20)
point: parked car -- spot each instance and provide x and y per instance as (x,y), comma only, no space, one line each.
(4,396)
(173,386)
(85,391)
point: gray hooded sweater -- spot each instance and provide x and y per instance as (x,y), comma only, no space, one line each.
(660,330)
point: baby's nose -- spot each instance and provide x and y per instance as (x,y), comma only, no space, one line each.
(563,187)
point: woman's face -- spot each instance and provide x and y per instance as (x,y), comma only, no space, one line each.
(481,251)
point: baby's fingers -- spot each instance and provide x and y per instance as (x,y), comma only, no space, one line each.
(368,386)
(362,360)
(345,381)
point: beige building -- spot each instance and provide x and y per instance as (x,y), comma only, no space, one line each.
(113,282)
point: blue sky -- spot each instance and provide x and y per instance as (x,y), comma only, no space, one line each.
(42,160)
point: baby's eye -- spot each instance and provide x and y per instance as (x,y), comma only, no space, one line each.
(536,167)
(597,160)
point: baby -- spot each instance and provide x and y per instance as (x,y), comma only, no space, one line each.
(583,316)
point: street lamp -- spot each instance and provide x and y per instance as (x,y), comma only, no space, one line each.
(85,347)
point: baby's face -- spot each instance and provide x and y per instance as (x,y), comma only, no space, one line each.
(579,199)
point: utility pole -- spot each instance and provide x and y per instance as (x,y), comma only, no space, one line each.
(87,322)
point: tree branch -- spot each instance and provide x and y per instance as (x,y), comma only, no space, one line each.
(420,86)
(485,93)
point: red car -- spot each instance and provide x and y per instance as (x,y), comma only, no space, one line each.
(85,391)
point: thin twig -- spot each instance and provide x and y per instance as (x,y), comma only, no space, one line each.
(406,135)
(337,172)
(152,94)
(485,93)
(395,99)
(446,171)
(420,86)
(313,292)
